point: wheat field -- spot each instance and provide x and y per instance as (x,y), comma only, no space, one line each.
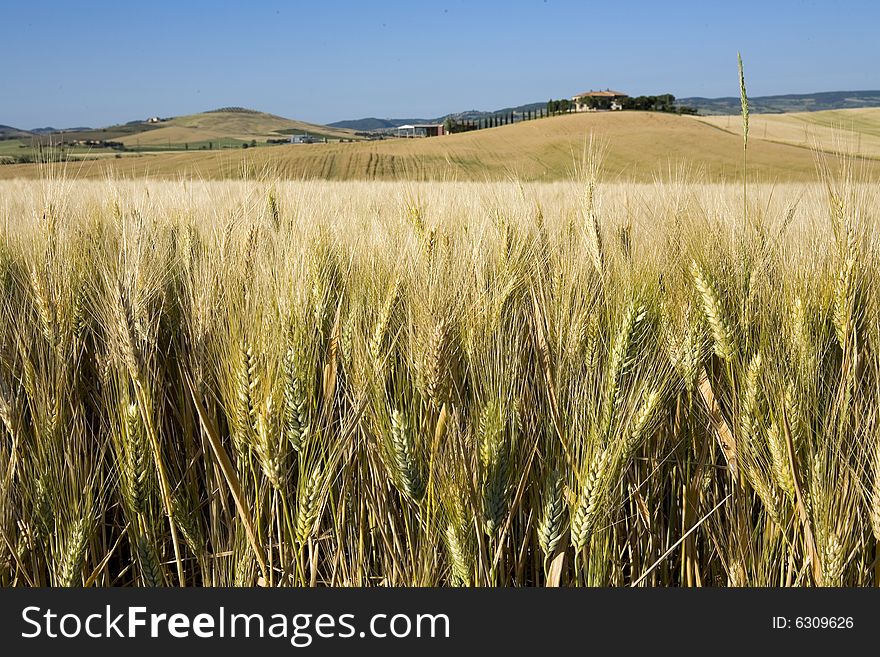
(855,132)
(644,146)
(482,384)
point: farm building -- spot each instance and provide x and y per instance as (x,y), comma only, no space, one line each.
(420,130)
(304,138)
(596,100)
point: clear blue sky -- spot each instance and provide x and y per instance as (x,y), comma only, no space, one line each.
(96,63)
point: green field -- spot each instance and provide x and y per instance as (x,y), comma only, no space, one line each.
(12,150)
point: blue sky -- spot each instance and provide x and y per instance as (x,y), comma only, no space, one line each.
(96,63)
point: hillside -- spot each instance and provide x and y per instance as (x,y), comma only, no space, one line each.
(230,124)
(228,127)
(640,146)
(815,102)
(8,132)
(856,132)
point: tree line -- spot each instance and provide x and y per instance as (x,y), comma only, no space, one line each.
(554,107)
(658,103)
(453,125)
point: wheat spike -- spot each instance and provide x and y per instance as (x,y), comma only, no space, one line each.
(550,524)
(245,409)
(274,212)
(749,417)
(779,460)
(380,331)
(150,567)
(266,446)
(768,494)
(722,333)
(844,292)
(296,419)
(494,459)
(458,545)
(73,554)
(436,364)
(128,342)
(622,355)
(307,506)
(644,423)
(833,563)
(744,101)
(594,232)
(589,507)
(190,527)
(410,479)
(137,460)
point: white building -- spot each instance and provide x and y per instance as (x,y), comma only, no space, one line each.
(304,138)
(420,130)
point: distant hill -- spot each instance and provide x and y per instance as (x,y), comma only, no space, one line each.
(815,102)
(373,123)
(227,124)
(223,128)
(8,132)
(49,130)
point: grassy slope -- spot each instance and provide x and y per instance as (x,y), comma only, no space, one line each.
(855,131)
(242,126)
(640,145)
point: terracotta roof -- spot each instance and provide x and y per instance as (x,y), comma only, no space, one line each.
(608,93)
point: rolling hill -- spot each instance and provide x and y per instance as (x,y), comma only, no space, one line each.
(8,132)
(855,132)
(232,124)
(639,147)
(225,128)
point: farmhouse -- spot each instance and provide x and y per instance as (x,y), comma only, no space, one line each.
(420,130)
(599,100)
(305,138)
